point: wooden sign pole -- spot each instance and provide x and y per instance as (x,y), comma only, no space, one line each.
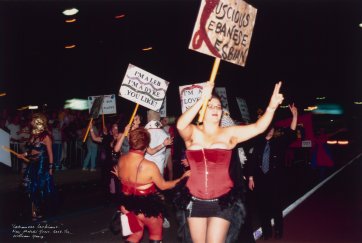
(132,117)
(103,123)
(88,128)
(13,152)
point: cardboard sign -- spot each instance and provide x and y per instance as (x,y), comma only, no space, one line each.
(143,88)
(306,144)
(190,94)
(163,109)
(108,105)
(5,157)
(223,29)
(221,92)
(243,109)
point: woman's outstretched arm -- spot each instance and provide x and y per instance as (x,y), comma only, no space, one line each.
(243,133)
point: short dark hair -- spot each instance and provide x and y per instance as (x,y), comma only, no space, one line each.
(139,139)
(216,96)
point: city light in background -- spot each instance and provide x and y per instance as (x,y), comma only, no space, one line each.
(70,20)
(311,108)
(76,104)
(147,49)
(70,12)
(70,46)
(28,107)
(120,16)
(331,109)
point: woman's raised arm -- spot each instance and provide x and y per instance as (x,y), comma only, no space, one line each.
(184,125)
(243,133)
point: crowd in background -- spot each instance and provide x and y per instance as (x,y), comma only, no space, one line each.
(68,128)
(65,126)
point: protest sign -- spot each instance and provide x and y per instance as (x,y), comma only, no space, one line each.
(223,29)
(96,107)
(94,112)
(243,109)
(221,92)
(108,106)
(5,157)
(163,109)
(143,88)
(190,94)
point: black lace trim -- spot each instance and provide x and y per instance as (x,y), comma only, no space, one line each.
(182,197)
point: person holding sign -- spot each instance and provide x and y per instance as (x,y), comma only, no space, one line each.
(38,176)
(139,178)
(156,152)
(92,149)
(209,148)
(111,143)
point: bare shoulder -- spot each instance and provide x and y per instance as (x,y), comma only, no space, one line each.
(148,167)
(47,138)
(147,164)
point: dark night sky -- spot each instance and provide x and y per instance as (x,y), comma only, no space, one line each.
(313,45)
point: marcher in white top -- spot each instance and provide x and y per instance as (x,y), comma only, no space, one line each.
(156,152)
(159,140)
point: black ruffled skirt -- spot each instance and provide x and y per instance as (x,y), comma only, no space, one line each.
(150,205)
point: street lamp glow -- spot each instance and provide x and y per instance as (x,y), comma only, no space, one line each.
(360,25)
(76,104)
(69,46)
(71,11)
(23,108)
(120,16)
(147,49)
(70,20)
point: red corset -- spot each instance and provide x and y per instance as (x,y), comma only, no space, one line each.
(130,189)
(209,172)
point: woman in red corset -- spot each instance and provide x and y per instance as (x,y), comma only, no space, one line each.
(209,147)
(139,178)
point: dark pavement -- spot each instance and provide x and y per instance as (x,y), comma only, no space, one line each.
(82,214)
(333,213)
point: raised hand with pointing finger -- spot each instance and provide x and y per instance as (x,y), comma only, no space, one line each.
(276,98)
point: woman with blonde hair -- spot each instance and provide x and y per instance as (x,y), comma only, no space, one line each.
(38,176)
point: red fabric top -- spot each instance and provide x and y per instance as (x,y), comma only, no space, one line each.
(171,131)
(131,189)
(209,172)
